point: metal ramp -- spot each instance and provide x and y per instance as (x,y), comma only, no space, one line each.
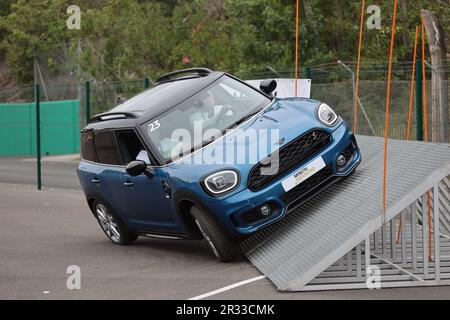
(328,241)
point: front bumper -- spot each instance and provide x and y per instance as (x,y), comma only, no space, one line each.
(234,211)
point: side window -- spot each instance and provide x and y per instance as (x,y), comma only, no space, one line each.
(87,146)
(129,144)
(106,148)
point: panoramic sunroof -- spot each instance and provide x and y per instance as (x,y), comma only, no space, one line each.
(152,97)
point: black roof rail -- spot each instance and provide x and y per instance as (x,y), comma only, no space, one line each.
(111,116)
(200,72)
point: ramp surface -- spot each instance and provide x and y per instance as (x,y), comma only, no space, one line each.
(312,237)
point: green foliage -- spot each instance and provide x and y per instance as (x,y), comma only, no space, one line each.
(122,40)
(126,46)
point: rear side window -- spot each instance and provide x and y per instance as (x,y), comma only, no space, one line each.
(106,148)
(87,146)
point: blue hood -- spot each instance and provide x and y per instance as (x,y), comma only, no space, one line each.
(289,117)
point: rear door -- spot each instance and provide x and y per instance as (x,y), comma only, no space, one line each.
(87,157)
(148,204)
(105,174)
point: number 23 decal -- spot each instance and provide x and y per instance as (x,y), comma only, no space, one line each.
(154,125)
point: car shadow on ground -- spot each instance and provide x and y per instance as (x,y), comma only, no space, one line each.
(193,248)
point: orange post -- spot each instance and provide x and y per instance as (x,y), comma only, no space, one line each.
(296,49)
(388,104)
(425,129)
(413,80)
(355,108)
(411,101)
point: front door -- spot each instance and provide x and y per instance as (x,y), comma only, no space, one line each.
(148,206)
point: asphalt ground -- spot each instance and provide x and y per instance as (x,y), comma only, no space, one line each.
(42,233)
(56,172)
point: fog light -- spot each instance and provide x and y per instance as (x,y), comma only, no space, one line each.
(265,210)
(341,160)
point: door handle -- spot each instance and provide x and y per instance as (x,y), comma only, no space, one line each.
(95,180)
(128,184)
(167,189)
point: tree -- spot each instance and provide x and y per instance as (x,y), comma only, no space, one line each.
(438,52)
(34,29)
(123,40)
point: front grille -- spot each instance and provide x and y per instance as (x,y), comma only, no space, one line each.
(308,187)
(290,156)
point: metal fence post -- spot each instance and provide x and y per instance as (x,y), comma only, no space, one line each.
(88,101)
(419,102)
(37,98)
(308,72)
(146,83)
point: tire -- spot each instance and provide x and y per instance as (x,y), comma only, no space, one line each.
(223,247)
(111,225)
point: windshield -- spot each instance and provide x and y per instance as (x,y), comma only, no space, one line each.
(203,117)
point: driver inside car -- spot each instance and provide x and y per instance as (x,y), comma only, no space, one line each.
(209,112)
(206,108)
(204,113)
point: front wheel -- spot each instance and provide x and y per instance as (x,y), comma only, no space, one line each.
(111,226)
(224,248)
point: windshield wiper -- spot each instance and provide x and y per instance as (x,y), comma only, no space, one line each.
(202,145)
(213,138)
(245,118)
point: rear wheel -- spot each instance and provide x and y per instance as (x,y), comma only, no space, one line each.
(111,225)
(223,247)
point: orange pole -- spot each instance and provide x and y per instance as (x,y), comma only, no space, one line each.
(411,100)
(425,124)
(411,94)
(388,104)
(355,108)
(296,48)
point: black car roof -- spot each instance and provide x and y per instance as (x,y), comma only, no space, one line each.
(152,102)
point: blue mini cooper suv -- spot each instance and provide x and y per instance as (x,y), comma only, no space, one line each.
(204,155)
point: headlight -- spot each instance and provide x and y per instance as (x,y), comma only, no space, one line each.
(326,115)
(220,182)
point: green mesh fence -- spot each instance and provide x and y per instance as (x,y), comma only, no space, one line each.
(63,114)
(60,128)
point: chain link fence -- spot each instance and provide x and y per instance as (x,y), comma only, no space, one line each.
(103,95)
(106,95)
(334,84)
(64,110)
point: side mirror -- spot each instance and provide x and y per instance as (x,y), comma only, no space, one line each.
(268,86)
(135,168)
(138,167)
